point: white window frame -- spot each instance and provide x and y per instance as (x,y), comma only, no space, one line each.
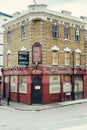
(23,32)
(54,57)
(55,50)
(55,31)
(78,59)
(67,58)
(67,33)
(77,35)
(9,36)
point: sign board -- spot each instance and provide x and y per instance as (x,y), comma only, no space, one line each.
(67,87)
(23,57)
(37,53)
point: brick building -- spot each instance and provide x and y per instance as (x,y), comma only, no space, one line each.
(44,56)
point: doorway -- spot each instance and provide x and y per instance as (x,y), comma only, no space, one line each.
(37,90)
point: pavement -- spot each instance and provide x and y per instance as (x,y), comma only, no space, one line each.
(39,107)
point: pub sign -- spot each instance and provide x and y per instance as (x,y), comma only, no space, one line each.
(23,57)
(37,53)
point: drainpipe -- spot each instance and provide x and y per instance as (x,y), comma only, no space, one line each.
(73,92)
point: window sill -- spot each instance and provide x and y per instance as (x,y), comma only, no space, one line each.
(55,38)
(67,40)
(23,38)
(67,65)
(77,41)
(55,64)
(78,65)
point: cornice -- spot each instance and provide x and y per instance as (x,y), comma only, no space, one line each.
(44,16)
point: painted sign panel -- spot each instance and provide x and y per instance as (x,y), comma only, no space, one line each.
(67,87)
(36,53)
(37,87)
(23,57)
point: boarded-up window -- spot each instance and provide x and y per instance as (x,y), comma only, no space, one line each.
(23,84)
(77,59)
(54,57)
(54,84)
(67,58)
(67,87)
(13,84)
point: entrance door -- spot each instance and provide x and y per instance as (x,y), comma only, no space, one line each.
(5,94)
(37,90)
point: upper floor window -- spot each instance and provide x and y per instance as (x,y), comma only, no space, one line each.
(67,33)
(9,35)
(54,58)
(77,35)
(55,55)
(55,31)
(67,58)
(77,59)
(23,32)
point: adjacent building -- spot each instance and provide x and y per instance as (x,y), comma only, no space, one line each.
(44,56)
(3,18)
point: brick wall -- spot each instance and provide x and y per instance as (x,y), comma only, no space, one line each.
(41,31)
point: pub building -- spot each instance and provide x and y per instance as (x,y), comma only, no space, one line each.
(44,57)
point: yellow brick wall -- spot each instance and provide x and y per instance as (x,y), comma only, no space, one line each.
(47,42)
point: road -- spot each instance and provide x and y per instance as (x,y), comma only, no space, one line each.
(63,118)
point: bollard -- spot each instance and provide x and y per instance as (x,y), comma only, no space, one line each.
(8,99)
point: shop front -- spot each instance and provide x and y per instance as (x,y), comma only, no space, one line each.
(42,85)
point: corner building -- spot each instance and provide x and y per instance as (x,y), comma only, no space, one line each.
(44,57)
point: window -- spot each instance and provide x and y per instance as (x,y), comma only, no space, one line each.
(23,84)
(77,35)
(67,58)
(8,60)
(54,84)
(67,78)
(55,31)
(9,35)
(13,84)
(54,57)
(23,32)
(77,59)
(67,33)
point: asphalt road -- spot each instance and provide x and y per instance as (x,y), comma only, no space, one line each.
(63,118)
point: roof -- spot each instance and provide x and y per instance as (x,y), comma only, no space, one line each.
(42,8)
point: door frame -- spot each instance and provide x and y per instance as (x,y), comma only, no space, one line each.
(37,90)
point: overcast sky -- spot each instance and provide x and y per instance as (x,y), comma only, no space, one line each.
(77,7)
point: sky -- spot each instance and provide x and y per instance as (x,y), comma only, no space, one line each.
(76,7)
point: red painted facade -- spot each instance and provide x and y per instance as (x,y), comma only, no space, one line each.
(44,73)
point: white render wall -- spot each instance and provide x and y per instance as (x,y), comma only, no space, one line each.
(3,18)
